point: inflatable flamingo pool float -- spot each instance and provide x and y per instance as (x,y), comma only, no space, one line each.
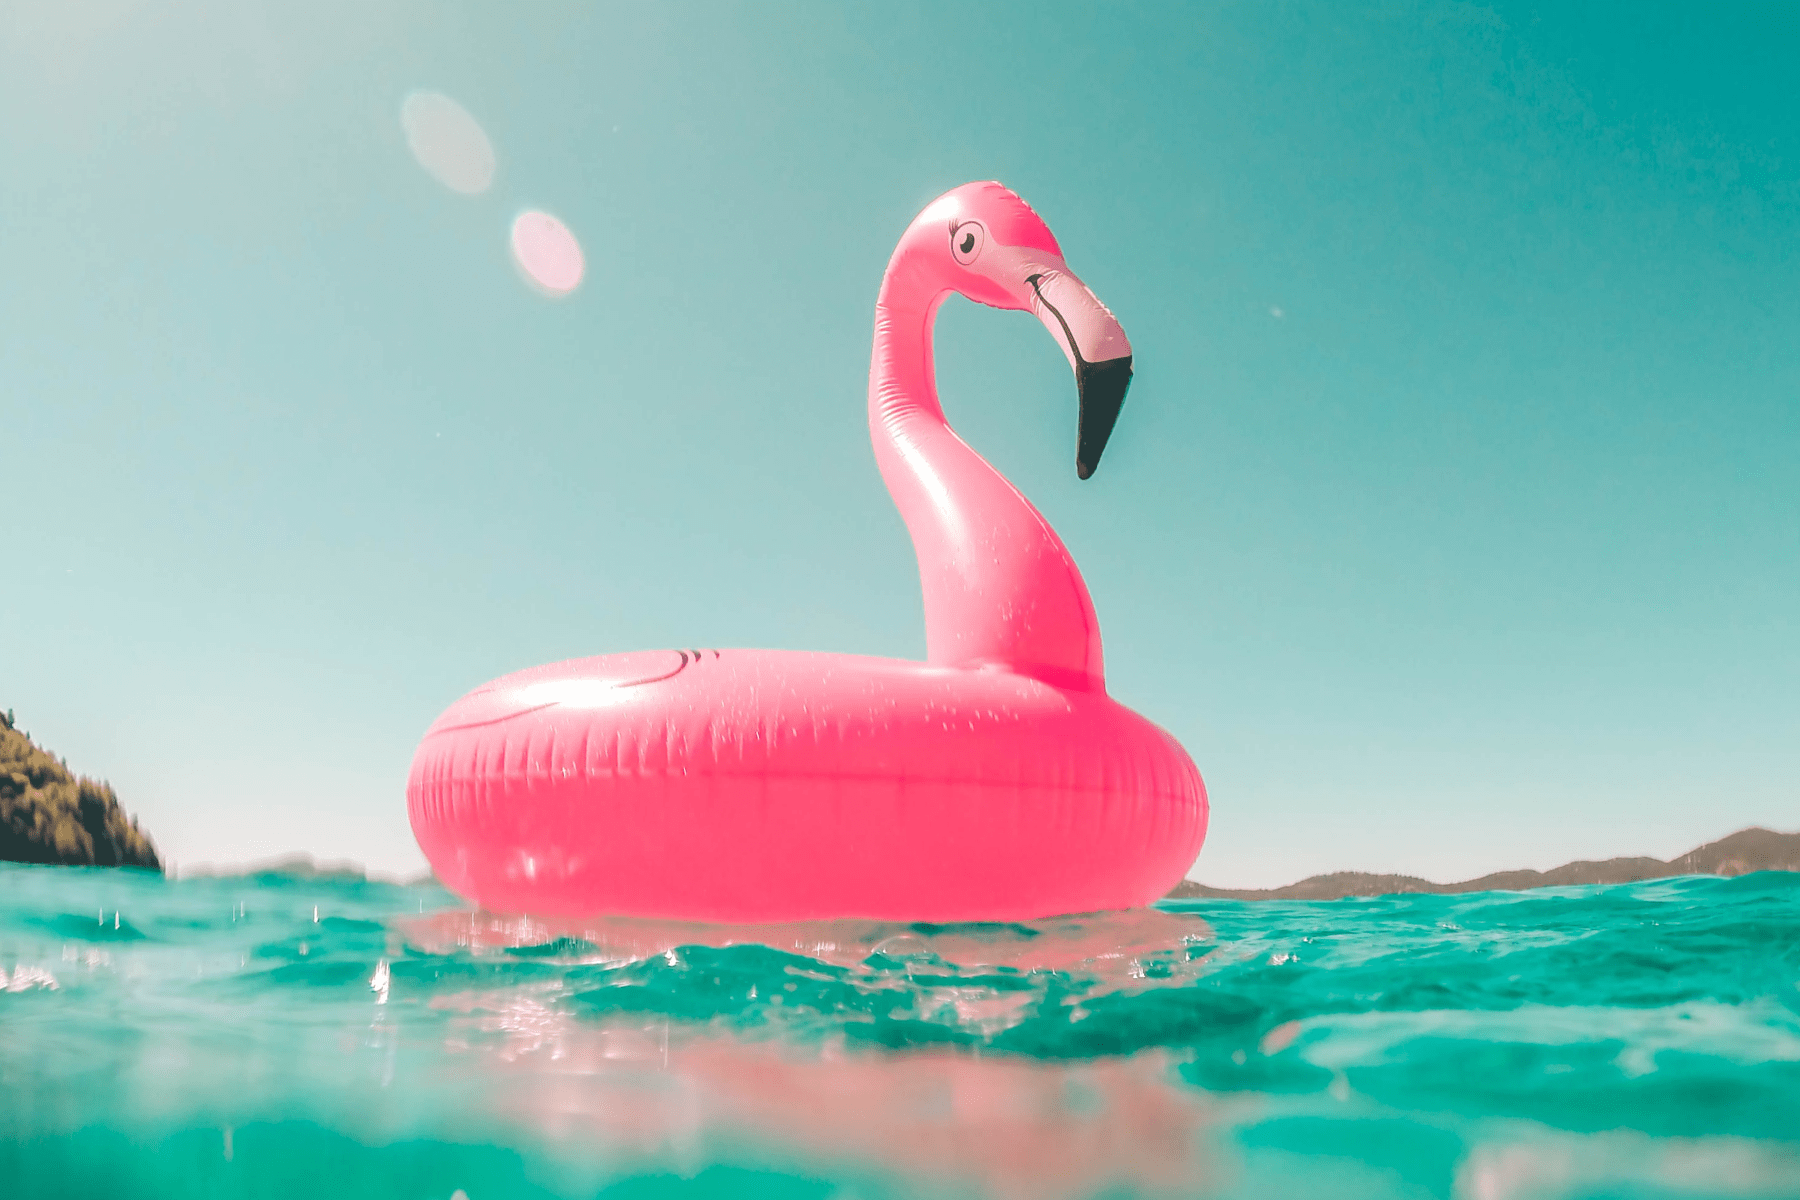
(995,781)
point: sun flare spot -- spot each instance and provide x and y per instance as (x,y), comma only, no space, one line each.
(547,252)
(448,142)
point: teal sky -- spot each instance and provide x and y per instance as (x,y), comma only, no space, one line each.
(1453,522)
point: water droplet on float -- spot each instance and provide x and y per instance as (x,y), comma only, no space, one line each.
(547,252)
(448,142)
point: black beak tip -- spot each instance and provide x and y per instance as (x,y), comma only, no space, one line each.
(1102,388)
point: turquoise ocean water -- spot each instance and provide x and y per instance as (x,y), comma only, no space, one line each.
(272,1037)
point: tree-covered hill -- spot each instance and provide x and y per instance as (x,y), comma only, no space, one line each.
(48,815)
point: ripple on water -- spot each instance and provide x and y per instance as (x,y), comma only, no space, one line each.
(231,1036)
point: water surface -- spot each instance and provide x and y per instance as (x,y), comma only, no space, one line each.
(271,1037)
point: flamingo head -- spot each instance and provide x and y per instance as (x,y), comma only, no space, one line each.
(989,245)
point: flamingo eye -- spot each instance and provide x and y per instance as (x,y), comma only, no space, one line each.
(966,241)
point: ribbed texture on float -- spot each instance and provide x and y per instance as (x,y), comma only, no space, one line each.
(762,788)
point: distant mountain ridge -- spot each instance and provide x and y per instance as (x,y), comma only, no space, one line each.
(1747,850)
(296,866)
(49,815)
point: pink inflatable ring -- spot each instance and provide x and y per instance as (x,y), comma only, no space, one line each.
(995,781)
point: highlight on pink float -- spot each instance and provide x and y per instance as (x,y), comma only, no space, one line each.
(547,252)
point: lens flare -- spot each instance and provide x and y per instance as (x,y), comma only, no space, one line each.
(448,142)
(547,252)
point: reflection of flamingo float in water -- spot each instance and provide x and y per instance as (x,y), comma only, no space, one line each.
(995,781)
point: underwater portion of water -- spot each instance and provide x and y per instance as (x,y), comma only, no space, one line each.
(271,1037)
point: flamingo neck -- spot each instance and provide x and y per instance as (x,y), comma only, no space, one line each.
(1001,590)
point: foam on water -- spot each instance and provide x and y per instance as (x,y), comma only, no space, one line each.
(272,1037)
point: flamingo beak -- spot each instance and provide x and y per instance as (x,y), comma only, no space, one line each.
(1096,346)
(1101,387)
